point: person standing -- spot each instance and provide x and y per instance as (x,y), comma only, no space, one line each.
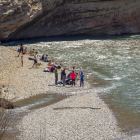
(21,49)
(56,75)
(82,79)
(80,71)
(73,77)
(35,59)
(64,77)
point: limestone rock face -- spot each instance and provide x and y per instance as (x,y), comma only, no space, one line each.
(21,19)
(15,14)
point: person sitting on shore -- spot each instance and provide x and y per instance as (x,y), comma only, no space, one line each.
(25,51)
(49,64)
(45,58)
(42,58)
(58,67)
(52,68)
(68,76)
(31,52)
(54,65)
(68,81)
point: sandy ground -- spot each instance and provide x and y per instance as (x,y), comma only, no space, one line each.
(81,116)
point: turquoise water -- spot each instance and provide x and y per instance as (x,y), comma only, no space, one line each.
(110,64)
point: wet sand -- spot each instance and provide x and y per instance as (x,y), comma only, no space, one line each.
(83,115)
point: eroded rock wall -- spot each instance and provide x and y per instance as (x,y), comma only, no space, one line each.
(37,18)
(14,14)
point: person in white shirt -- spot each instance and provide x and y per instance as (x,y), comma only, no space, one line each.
(35,58)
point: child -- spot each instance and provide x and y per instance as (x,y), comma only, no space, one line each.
(82,79)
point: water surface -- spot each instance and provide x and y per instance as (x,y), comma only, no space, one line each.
(110,64)
(38,101)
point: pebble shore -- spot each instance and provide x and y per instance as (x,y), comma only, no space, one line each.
(83,115)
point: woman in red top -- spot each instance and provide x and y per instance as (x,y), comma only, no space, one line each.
(73,77)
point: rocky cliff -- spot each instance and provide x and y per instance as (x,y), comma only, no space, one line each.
(21,19)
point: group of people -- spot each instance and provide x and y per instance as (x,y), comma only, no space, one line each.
(71,78)
(24,51)
(44,58)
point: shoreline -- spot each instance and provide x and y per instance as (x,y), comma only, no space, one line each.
(23,82)
(82,116)
(18,78)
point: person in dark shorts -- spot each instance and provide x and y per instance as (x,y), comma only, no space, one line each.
(59,66)
(35,58)
(21,49)
(61,75)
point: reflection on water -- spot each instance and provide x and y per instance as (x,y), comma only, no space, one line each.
(111,64)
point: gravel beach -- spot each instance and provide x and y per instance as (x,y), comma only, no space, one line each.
(83,115)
